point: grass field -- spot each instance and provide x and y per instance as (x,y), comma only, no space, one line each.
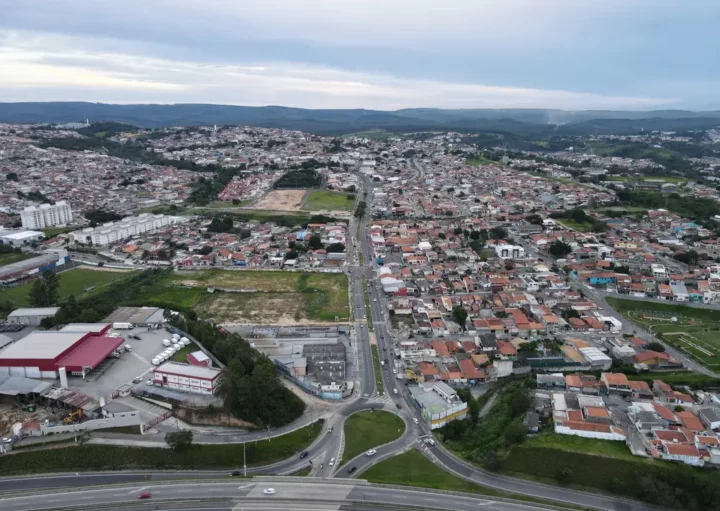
(578,226)
(82,458)
(72,282)
(365,430)
(14,257)
(378,370)
(322,200)
(181,356)
(633,179)
(578,444)
(267,297)
(694,331)
(481,160)
(57,230)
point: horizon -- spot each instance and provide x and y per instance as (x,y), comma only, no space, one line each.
(371,54)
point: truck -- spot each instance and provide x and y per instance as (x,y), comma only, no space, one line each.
(122,326)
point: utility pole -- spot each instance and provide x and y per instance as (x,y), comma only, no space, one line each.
(244,462)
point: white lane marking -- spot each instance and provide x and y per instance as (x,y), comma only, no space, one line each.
(140,489)
(245,486)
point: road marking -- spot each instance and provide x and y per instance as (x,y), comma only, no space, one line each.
(244,486)
(137,489)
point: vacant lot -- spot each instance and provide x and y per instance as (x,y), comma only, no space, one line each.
(78,282)
(321,200)
(14,257)
(263,297)
(365,430)
(579,444)
(281,200)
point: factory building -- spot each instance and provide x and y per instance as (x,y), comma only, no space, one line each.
(53,354)
(31,316)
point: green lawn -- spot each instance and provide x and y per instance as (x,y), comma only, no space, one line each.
(267,297)
(181,356)
(481,160)
(86,457)
(378,370)
(694,380)
(72,282)
(322,200)
(227,204)
(14,257)
(57,230)
(368,314)
(578,226)
(365,430)
(579,444)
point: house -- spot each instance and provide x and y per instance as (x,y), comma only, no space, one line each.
(655,360)
(710,417)
(616,383)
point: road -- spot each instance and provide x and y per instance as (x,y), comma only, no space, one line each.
(316,494)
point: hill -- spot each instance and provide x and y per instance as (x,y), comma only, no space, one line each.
(522,122)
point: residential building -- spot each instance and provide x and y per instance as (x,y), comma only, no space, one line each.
(46,215)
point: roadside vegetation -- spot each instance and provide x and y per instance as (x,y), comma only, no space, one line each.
(369,429)
(92,457)
(378,370)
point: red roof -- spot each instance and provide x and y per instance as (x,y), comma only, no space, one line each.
(90,353)
(470,371)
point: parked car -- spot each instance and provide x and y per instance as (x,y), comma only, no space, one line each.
(150,382)
(137,380)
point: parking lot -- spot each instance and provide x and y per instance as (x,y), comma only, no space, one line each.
(129,366)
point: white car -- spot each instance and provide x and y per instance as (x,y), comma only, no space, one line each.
(332,462)
(150,382)
(416,421)
(269,491)
(371,452)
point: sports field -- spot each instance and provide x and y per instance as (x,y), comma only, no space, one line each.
(694,331)
(78,281)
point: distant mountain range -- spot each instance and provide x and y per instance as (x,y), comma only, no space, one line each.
(520,122)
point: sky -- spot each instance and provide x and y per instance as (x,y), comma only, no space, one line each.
(375,54)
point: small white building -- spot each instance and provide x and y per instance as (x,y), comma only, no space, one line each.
(31,316)
(188,378)
(509,251)
(658,271)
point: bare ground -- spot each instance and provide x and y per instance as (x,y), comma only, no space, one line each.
(281,200)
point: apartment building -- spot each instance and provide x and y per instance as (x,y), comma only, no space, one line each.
(46,215)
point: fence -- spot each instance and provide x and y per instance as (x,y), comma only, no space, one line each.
(156,420)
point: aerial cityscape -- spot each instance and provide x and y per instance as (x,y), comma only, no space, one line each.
(410,287)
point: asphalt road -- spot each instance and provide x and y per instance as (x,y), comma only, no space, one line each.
(314,494)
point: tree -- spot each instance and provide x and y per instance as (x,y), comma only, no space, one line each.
(205,250)
(315,242)
(559,249)
(11,176)
(293,254)
(460,316)
(515,433)
(44,291)
(679,409)
(492,462)
(498,233)
(335,247)
(236,202)
(656,346)
(473,410)
(179,440)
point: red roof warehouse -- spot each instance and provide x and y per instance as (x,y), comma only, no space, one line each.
(41,354)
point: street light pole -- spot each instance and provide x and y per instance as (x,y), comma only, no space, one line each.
(244,462)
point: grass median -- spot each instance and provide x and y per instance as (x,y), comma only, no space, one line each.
(96,457)
(378,370)
(365,430)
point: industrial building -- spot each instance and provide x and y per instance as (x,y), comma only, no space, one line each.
(31,316)
(188,378)
(138,316)
(112,232)
(21,238)
(46,215)
(22,269)
(53,354)
(438,403)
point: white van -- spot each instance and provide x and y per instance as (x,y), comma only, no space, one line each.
(128,347)
(166,342)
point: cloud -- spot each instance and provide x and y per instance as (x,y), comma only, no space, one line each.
(57,67)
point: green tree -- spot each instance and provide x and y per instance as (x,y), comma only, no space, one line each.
(460,316)
(498,233)
(473,410)
(315,242)
(656,346)
(11,176)
(179,440)
(44,291)
(515,433)
(559,249)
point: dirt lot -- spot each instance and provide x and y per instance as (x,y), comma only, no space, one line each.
(281,200)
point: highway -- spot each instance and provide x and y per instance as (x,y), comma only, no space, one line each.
(316,494)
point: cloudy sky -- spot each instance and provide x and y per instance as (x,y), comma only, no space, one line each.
(381,54)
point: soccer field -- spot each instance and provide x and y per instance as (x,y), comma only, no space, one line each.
(702,345)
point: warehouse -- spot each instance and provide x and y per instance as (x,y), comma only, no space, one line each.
(188,378)
(31,316)
(53,354)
